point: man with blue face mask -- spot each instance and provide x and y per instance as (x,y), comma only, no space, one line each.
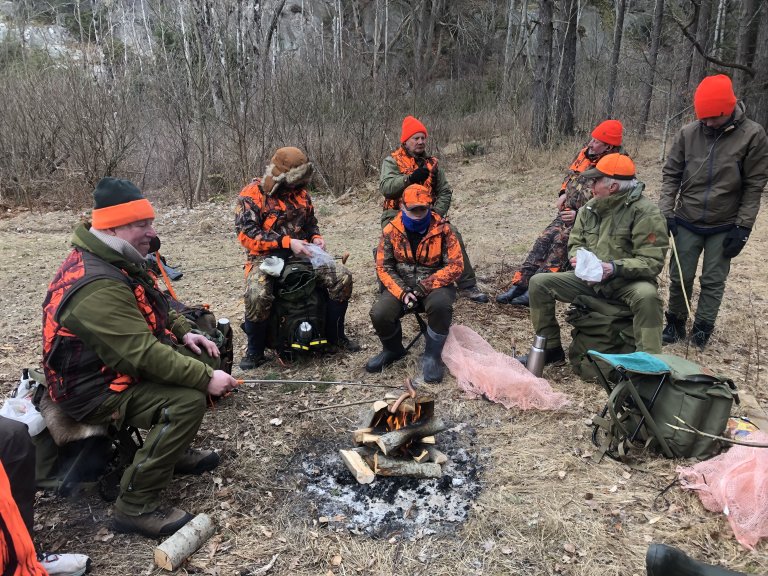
(712,182)
(418,260)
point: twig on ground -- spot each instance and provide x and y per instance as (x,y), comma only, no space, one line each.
(691,430)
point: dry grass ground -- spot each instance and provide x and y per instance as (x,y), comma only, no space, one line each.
(546,506)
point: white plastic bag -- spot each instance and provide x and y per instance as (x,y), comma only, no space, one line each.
(22,410)
(272,265)
(319,257)
(588,266)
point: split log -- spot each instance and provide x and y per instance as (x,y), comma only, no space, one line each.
(355,464)
(185,542)
(400,467)
(392,440)
(428,440)
(436,456)
(421,456)
(376,407)
(357,435)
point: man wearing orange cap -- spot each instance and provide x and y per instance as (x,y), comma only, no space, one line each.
(114,353)
(418,261)
(409,164)
(627,233)
(550,251)
(712,181)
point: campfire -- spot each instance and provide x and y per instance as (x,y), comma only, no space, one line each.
(397,438)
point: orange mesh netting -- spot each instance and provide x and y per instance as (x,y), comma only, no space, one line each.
(735,483)
(481,371)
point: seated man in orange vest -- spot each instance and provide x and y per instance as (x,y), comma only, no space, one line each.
(114,353)
(418,260)
(550,251)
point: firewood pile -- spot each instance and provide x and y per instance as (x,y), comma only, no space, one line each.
(397,438)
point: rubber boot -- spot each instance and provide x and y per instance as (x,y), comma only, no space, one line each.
(257,342)
(511,294)
(700,334)
(431,362)
(392,351)
(334,326)
(522,300)
(674,331)
(663,560)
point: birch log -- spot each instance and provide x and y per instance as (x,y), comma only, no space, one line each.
(185,542)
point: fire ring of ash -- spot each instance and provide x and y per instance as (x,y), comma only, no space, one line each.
(402,506)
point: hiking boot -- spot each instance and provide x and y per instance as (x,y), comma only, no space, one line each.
(251,362)
(663,560)
(474,294)
(551,356)
(674,331)
(432,366)
(196,462)
(700,334)
(392,351)
(65,564)
(522,300)
(511,294)
(162,522)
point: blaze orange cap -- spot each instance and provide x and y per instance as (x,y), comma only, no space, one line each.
(609,131)
(417,195)
(410,127)
(714,97)
(616,166)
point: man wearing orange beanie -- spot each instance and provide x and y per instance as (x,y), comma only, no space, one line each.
(409,164)
(550,251)
(116,354)
(712,181)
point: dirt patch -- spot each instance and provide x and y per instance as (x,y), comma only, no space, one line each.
(544,505)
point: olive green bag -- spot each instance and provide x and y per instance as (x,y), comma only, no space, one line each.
(654,398)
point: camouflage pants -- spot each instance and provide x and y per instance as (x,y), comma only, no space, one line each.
(549,252)
(260,287)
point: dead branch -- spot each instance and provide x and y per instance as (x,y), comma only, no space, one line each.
(691,430)
(700,50)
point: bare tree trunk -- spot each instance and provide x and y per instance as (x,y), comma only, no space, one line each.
(566,88)
(646,93)
(542,76)
(722,10)
(749,24)
(613,77)
(509,47)
(699,64)
(758,92)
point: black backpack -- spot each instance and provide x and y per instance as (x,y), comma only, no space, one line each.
(297,319)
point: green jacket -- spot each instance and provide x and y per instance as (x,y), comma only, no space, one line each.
(103,314)
(714,178)
(626,229)
(392,183)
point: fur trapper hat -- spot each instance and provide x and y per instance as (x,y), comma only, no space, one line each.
(289,167)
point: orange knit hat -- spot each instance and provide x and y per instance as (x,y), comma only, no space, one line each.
(616,166)
(118,202)
(714,97)
(410,127)
(608,131)
(417,195)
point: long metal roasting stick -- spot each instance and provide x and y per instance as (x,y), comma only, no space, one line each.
(365,384)
(332,406)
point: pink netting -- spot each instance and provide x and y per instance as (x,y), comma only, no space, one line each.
(735,483)
(481,371)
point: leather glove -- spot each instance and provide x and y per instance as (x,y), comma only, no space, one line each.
(735,240)
(419,175)
(672,226)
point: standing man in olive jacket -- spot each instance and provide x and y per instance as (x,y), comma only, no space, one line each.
(115,353)
(627,233)
(409,164)
(712,181)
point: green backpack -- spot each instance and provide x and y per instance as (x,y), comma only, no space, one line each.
(650,394)
(297,318)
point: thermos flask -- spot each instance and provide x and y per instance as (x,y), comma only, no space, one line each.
(535,363)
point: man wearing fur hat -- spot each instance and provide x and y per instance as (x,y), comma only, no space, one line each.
(114,353)
(550,251)
(409,164)
(418,261)
(714,175)
(274,216)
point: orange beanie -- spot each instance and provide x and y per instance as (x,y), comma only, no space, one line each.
(714,97)
(410,127)
(608,131)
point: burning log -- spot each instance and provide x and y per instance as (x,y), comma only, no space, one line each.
(393,440)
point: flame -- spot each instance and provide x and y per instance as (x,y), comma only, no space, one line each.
(402,418)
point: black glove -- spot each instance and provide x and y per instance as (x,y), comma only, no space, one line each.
(419,175)
(734,241)
(672,226)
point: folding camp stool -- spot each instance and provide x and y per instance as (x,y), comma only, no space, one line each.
(623,387)
(416,312)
